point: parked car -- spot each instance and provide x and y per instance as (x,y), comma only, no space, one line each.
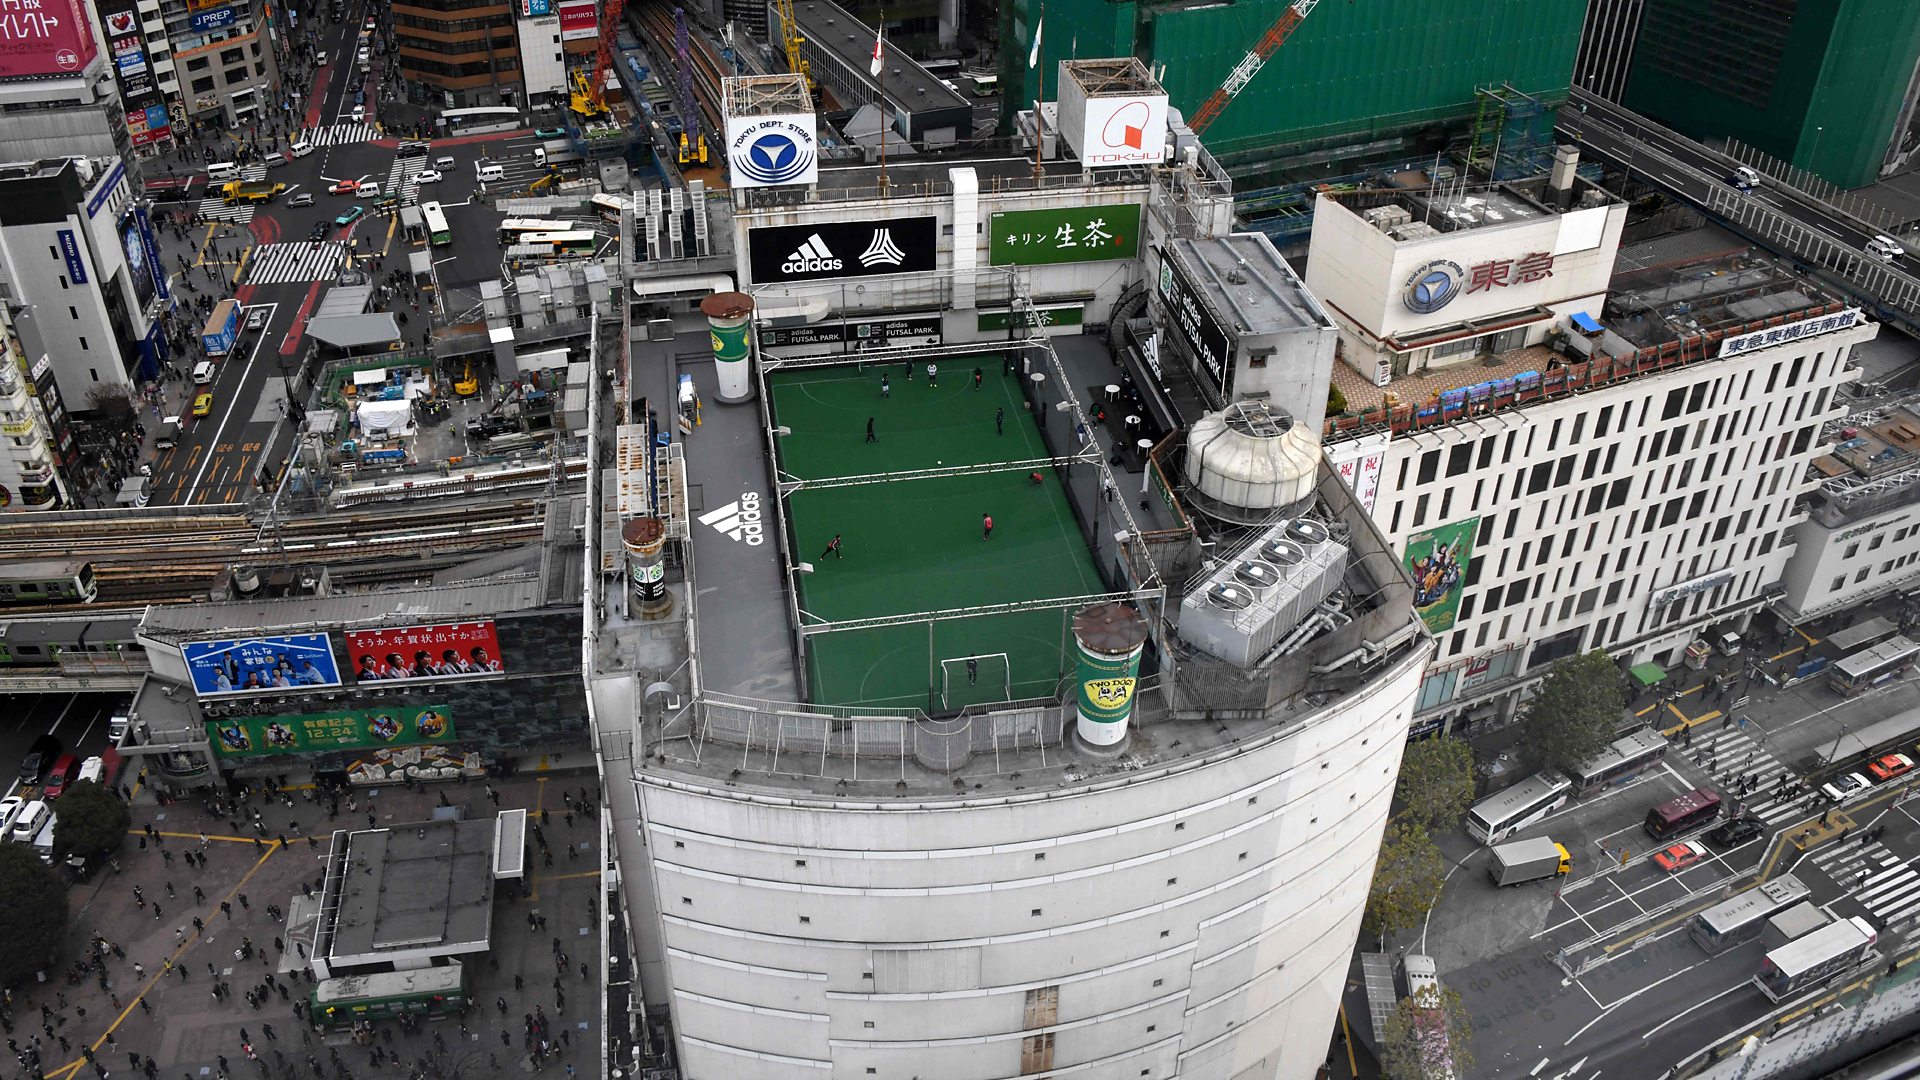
(256,318)
(1679,856)
(1738,831)
(427,176)
(320,58)
(1841,787)
(1890,766)
(9,810)
(353,214)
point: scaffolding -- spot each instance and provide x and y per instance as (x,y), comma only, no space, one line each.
(1509,139)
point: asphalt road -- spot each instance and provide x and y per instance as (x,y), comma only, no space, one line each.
(269,264)
(80,721)
(1689,170)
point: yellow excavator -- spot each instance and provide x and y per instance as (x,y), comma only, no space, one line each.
(466,385)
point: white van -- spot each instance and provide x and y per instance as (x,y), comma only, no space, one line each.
(27,825)
(222,171)
(444,162)
(368,190)
(1885,248)
(300,148)
(203,373)
(488,172)
(93,769)
(540,156)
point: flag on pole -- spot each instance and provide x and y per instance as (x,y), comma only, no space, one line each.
(879,53)
(1033,57)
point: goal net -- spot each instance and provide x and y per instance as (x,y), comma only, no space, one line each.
(975,680)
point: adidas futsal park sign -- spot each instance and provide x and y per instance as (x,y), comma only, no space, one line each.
(842,249)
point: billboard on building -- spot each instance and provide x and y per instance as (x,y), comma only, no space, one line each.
(1064,235)
(535,9)
(211,19)
(1124,130)
(241,666)
(1204,336)
(1438,560)
(50,37)
(140,268)
(70,253)
(151,245)
(416,653)
(773,151)
(842,249)
(349,729)
(579,20)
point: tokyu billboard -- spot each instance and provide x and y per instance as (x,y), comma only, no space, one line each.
(772,151)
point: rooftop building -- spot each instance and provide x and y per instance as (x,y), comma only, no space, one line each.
(405,896)
(1861,537)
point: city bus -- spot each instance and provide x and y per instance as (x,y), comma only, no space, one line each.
(984,84)
(572,242)
(609,206)
(1864,670)
(429,991)
(481,118)
(515,230)
(1628,756)
(1423,987)
(435,220)
(1834,949)
(1677,815)
(1503,813)
(1740,919)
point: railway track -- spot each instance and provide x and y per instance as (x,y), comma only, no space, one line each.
(656,24)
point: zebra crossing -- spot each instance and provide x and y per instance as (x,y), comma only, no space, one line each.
(1730,756)
(218,209)
(400,178)
(1888,888)
(273,264)
(340,134)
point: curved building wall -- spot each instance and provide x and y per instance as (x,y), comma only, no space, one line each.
(1194,921)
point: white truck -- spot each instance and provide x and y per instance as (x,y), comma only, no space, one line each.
(1528,860)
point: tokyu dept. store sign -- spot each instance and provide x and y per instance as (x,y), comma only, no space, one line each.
(1793,331)
(1064,235)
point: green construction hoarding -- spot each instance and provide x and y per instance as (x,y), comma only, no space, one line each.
(350,729)
(1438,560)
(1068,234)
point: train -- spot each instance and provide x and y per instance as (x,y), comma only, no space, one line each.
(48,581)
(64,641)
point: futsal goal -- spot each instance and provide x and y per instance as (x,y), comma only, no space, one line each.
(975,680)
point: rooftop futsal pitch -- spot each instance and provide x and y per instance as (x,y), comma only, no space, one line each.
(922,544)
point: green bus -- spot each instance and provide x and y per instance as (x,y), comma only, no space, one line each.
(432,991)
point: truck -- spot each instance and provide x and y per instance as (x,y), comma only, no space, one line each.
(223,326)
(251,190)
(1528,860)
(43,841)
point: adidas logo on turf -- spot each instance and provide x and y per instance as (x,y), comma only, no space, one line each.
(739,520)
(811,257)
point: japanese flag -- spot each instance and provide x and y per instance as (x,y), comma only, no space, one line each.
(879,54)
(1033,57)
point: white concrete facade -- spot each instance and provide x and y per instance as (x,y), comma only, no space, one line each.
(1192,920)
(543,60)
(1511,282)
(1836,568)
(1627,518)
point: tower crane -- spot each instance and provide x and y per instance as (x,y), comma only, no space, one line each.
(588,99)
(790,42)
(1250,64)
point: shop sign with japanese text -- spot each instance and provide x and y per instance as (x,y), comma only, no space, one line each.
(1793,331)
(350,729)
(1064,235)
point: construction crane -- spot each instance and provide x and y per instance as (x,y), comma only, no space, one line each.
(587,97)
(1250,64)
(790,42)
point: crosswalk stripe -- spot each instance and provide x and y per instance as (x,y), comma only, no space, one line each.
(338,134)
(299,261)
(1900,893)
(221,210)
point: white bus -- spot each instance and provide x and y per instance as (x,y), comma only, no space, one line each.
(572,242)
(1865,670)
(1627,757)
(1741,918)
(480,118)
(1832,950)
(515,230)
(609,206)
(1503,813)
(435,220)
(1423,986)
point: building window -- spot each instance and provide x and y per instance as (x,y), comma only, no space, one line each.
(1852,550)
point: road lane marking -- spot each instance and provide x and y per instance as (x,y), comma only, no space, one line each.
(1741,985)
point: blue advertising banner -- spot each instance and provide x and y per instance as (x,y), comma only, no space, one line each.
(152,245)
(212,19)
(535,8)
(258,665)
(70,250)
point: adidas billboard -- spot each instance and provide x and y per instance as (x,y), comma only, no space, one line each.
(842,249)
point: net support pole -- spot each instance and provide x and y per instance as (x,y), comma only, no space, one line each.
(933,661)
